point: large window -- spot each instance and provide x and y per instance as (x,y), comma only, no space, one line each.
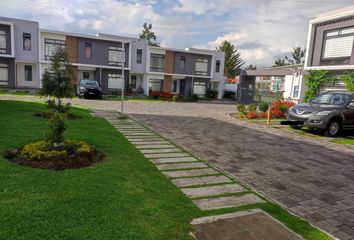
(115,56)
(115,81)
(157,63)
(201,66)
(50,46)
(26,42)
(199,88)
(2,42)
(217,66)
(28,73)
(139,56)
(88,50)
(182,62)
(4,74)
(175,86)
(155,85)
(338,43)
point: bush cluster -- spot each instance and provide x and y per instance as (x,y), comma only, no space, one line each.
(278,109)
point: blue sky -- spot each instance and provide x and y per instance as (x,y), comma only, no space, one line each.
(262,29)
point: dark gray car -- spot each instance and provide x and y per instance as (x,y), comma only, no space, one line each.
(89,88)
(330,111)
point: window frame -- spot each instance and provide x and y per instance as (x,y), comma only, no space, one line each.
(27,36)
(52,42)
(6,81)
(117,50)
(295,90)
(160,59)
(116,76)
(217,66)
(139,56)
(182,62)
(88,46)
(204,61)
(28,77)
(3,50)
(200,83)
(339,60)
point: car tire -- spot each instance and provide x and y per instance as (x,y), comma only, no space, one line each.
(296,127)
(334,128)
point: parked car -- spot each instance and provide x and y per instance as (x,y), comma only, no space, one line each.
(330,112)
(89,88)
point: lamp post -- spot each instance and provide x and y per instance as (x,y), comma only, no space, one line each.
(123,81)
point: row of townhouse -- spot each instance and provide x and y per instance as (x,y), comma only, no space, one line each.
(25,52)
(329,47)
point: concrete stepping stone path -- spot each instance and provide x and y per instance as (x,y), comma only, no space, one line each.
(154,146)
(174,160)
(166,155)
(151,143)
(182,166)
(190,173)
(168,150)
(212,190)
(195,181)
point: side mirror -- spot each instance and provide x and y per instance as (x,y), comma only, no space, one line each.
(351,105)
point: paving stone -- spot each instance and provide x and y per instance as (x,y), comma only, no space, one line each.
(190,173)
(135,129)
(182,165)
(139,134)
(166,155)
(169,150)
(186,182)
(174,160)
(139,143)
(154,146)
(227,202)
(212,190)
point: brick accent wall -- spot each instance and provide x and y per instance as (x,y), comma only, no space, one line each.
(75,77)
(71,48)
(169,61)
(167,83)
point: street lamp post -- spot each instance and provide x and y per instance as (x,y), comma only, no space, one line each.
(123,81)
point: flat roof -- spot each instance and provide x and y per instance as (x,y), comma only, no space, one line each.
(275,71)
(339,13)
(188,50)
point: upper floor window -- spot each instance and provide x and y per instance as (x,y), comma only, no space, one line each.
(157,62)
(50,46)
(28,73)
(201,66)
(2,42)
(217,66)
(26,42)
(115,56)
(182,62)
(88,50)
(338,43)
(139,56)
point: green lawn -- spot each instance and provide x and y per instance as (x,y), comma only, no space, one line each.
(345,141)
(125,197)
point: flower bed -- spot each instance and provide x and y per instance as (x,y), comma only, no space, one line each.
(70,154)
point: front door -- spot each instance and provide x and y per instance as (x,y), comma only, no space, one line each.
(182,87)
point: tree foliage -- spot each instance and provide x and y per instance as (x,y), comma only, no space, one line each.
(251,67)
(348,79)
(233,60)
(148,34)
(297,57)
(315,79)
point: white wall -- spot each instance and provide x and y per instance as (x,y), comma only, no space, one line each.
(20,75)
(44,35)
(290,82)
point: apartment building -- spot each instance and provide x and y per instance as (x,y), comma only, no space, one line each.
(26,50)
(330,43)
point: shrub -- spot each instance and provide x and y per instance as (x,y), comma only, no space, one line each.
(263,115)
(263,106)
(252,107)
(57,127)
(175,98)
(212,93)
(280,107)
(229,94)
(193,98)
(241,108)
(252,115)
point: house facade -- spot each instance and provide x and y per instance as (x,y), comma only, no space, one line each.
(330,44)
(26,50)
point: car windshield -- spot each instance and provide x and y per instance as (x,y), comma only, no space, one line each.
(89,82)
(331,99)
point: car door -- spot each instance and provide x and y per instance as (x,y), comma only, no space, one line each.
(349,115)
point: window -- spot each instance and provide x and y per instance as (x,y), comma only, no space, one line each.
(85,75)
(182,62)
(139,56)
(155,85)
(338,43)
(4,74)
(26,41)
(157,62)
(132,83)
(115,56)
(201,67)
(199,88)
(2,42)
(217,67)
(28,73)
(115,81)
(88,50)
(175,86)
(50,46)
(296,92)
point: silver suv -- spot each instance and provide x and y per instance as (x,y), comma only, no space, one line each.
(331,112)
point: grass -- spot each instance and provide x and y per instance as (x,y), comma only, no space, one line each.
(125,197)
(344,141)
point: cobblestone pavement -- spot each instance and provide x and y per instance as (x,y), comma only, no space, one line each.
(311,177)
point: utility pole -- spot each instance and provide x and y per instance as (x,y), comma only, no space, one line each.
(123,81)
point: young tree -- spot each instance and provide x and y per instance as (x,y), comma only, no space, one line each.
(148,34)
(233,60)
(251,67)
(297,57)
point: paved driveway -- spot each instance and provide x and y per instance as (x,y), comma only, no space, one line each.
(313,178)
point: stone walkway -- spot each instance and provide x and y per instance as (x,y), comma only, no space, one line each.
(207,187)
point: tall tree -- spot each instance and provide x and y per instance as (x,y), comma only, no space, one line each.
(297,57)
(233,60)
(251,67)
(148,34)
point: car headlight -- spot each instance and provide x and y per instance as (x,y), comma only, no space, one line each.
(82,89)
(323,113)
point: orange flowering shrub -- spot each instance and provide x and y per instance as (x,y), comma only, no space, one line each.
(280,107)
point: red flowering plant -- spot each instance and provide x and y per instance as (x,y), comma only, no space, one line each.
(252,115)
(280,107)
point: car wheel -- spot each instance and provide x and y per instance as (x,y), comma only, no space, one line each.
(334,128)
(297,127)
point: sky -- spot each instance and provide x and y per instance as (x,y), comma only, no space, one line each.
(262,30)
